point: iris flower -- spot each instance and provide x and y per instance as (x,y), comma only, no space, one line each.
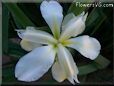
(52,50)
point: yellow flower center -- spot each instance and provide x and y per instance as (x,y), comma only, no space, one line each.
(63,42)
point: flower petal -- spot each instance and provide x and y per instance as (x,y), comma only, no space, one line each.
(36,36)
(58,73)
(74,27)
(67,18)
(28,45)
(33,65)
(67,63)
(52,13)
(20,33)
(87,46)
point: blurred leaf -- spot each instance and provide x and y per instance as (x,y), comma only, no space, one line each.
(86,69)
(98,25)
(5,24)
(99,63)
(76,9)
(104,76)
(6,60)
(8,74)
(29,9)
(15,50)
(94,20)
(19,15)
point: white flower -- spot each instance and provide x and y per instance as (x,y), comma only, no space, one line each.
(47,50)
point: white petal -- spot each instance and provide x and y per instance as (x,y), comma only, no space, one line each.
(37,36)
(87,46)
(35,64)
(67,18)
(20,33)
(67,63)
(74,27)
(52,13)
(58,73)
(28,45)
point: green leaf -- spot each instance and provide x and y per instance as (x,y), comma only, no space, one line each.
(76,9)
(101,76)
(8,74)
(94,20)
(5,24)
(19,15)
(29,9)
(86,69)
(99,63)
(15,50)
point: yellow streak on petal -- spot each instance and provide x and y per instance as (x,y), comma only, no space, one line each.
(68,42)
(56,29)
(65,42)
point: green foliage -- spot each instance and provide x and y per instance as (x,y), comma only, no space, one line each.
(19,15)
(5,26)
(99,63)
(76,9)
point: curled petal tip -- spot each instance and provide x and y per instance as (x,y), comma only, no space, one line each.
(20,32)
(85,17)
(76,79)
(82,14)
